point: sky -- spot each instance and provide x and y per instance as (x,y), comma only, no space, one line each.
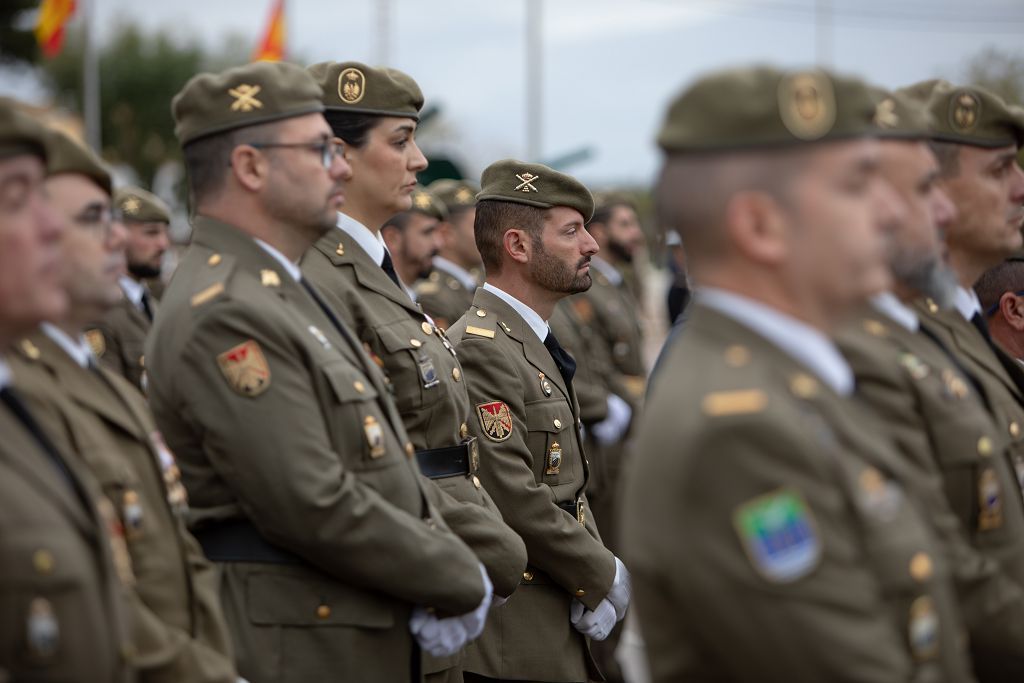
(609,68)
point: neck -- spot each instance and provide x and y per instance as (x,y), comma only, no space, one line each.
(373,219)
(1008,337)
(967,267)
(283,237)
(541,300)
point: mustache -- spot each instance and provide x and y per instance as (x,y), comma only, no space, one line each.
(585,261)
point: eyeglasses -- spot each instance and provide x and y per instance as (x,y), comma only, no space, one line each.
(98,219)
(328,148)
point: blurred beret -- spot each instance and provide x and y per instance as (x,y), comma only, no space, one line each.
(70,156)
(361,89)
(899,117)
(139,206)
(19,132)
(537,185)
(968,115)
(763,106)
(426,202)
(456,194)
(243,96)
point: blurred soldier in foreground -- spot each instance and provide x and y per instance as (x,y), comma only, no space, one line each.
(412,238)
(350,266)
(764,523)
(447,292)
(295,459)
(179,630)
(119,338)
(61,600)
(954,453)
(530,232)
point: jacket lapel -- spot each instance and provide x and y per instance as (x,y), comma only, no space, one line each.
(971,343)
(369,274)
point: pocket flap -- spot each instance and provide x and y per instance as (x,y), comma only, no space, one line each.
(548,416)
(348,383)
(287,600)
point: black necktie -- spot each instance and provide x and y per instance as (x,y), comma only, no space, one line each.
(389,267)
(563,361)
(20,411)
(146,308)
(981,326)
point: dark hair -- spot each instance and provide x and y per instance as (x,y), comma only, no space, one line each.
(354,129)
(208,159)
(400,221)
(494,218)
(606,208)
(1008,276)
(948,154)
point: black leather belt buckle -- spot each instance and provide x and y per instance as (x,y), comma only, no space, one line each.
(451,461)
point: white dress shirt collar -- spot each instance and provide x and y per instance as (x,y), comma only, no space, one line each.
(291,268)
(607,269)
(804,343)
(890,305)
(532,318)
(372,243)
(78,350)
(966,302)
(457,272)
(133,290)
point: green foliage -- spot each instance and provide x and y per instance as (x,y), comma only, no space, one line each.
(1000,72)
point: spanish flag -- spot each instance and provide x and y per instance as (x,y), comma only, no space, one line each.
(271,48)
(53,16)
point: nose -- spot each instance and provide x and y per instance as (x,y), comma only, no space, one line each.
(945,209)
(417,162)
(588,246)
(340,169)
(1017,186)
(49,223)
(890,209)
(117,237)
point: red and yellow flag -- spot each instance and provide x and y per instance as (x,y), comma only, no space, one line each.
(271,48)
(53,16)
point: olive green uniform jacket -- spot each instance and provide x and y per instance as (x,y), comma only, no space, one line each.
(424,374)
(532,460)
(283,426)
(443,297)
(179,628)
(614,313)
(62,603)
(766,533)
(961,474)
(121,343)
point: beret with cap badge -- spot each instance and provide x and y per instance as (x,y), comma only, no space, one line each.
(139,206)
(968,115)
(361,89)
(426,202)
(456,194)
(536,185)
(69,156)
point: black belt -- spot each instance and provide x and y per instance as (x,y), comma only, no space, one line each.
(451,461)
(237,540)
(575,509)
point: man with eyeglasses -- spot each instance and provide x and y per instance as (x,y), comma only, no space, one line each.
(334,564)
(61,601)
(1000,292)
(179,631)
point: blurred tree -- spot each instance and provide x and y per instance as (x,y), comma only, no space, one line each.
(1000,72)
(17,42)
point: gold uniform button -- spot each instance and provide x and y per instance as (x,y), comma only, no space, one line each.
(481,313)
(463,431)
(457,374)
(323,611)
(476,481)
(921,567)
(557,423)
(984,446)
(359,386)
(43,561)
(527,575)
(213,260)
(1014,429)
(415,343)
(580,592)
(427,328)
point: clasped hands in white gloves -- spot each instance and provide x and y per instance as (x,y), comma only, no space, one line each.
(598,623)
(446,636)
(613,427)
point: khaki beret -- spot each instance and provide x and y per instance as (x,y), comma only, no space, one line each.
(968,115)
(456,194)
(537,185)
(764,106)
(426,202)
(243,96)
(19,132)
(361,89)
(139,206)
(899,117)
(70,156)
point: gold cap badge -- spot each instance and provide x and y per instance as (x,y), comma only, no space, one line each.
(245,97)
(807,104)
(351,85)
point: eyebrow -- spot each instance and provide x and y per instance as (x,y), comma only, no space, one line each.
(405,128)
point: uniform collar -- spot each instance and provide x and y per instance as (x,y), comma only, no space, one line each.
(532,318)
(372,244)
(456,271)
(5,374)
(799,340)
(291,268)
(607,269)
(966,301)
(890,305)
(78,350)
(133,290)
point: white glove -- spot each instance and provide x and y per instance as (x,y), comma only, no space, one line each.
(611,429)
(474,621)
(442,637)
(595,624)
(622,590)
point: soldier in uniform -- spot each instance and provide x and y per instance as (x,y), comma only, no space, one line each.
(795,553)
(1000,293)
(61,600)
(179,629)
(119,337)
(447,292)
(333,563)
(530,232)
(957,456)
(411,238)
(352,267)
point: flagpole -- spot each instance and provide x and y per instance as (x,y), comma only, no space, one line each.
(91,79)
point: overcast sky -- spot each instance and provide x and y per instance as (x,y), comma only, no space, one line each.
(609,66)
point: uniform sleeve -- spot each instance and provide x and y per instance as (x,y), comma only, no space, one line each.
(555,542)
(275,453)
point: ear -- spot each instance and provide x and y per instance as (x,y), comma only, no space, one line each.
(517,245)
(1012,308)
(249,167)
(756,226)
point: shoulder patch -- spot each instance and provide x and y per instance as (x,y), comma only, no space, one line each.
(210,292)
(245,368)
(96,342)
(722,403)
(495,420)
(779,535)
(479,331)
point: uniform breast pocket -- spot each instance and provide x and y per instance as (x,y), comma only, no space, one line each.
(412,364)
(357,418)
(550,439)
